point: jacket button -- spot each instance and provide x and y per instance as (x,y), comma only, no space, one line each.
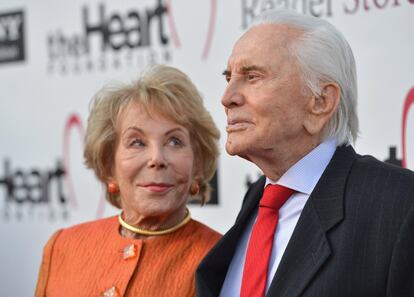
(129,252)
(111,292)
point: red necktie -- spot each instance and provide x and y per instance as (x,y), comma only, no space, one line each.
(261,241)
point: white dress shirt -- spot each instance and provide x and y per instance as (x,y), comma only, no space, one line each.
(301,177)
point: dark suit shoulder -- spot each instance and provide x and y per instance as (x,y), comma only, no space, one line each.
(381,188)
(394,176)
(369,161)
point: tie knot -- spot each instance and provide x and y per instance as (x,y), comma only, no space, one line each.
(274,196)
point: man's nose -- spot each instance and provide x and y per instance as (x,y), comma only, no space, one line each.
(232,95)
(157,158)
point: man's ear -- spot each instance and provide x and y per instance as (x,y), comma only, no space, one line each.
(320,109)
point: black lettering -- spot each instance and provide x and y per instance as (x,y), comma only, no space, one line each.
(354,9)
(100,27)
(20,193)
(248,12)
(133,32)
(312,9)
(286,5)
(329,8)
(266,5)
(8,181)
(380,6)
(160,10)
(116,34)
(35,184)
(59,174)
(77,46)
(10,27)
(304,6)
(51,47)
(61,40)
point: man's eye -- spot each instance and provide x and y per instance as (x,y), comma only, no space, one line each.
(251,76)
(227,75)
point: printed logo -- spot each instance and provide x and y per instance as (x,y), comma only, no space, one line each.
(34,192)
(252,8)
(111,40)
(318,8)
(39,194)
(12,37)
(132,38)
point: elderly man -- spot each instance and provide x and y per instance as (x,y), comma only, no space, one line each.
(323,221)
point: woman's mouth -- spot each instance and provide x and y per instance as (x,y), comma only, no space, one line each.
(157,187)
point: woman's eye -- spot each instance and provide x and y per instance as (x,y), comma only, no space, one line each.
(174,141)
(137,142)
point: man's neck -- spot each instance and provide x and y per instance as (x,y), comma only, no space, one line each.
(275,162)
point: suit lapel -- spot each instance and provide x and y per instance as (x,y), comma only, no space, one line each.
(213,269)
(308,248)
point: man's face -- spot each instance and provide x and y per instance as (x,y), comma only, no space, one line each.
(265,99)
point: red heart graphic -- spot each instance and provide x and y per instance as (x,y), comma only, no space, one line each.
(73,121)
(407,104)
(210,31)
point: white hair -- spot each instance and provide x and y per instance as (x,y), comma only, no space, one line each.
(324,55)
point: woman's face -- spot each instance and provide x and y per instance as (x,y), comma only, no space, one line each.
(153,164)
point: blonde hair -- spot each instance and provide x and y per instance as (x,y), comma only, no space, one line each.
(167,91)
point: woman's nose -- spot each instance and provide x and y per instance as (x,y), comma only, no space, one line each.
(157,158)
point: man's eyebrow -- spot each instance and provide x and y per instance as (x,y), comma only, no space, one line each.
(245,69)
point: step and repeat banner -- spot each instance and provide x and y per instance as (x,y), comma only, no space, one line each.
(54,55)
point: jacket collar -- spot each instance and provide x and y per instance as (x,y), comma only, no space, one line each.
(308,248)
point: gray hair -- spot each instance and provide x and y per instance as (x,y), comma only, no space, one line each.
(324,55)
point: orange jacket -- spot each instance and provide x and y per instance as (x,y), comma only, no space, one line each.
(88,260)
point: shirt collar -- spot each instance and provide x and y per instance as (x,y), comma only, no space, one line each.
(304,174)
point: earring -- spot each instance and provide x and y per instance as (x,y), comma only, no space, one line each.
(113,188)
(194,189)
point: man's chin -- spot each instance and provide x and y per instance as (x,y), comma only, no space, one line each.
(232,149)
(236,150)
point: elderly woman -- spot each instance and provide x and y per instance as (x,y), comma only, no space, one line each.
(154,146)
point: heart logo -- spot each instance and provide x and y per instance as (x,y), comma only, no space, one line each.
(210,32)
(74,123)
(407,105)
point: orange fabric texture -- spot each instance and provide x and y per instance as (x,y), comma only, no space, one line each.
(87,260)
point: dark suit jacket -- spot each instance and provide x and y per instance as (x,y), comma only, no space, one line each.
(354,238)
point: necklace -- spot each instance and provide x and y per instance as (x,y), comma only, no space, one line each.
(184,221)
